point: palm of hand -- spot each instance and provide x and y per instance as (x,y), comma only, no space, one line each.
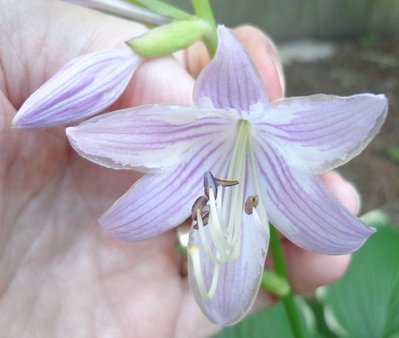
(60,275)
(61,270)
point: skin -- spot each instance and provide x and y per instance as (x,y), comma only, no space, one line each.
(60,275)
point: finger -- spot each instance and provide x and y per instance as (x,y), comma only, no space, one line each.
(160,80)
(307,270)
(343,190)
(262,52)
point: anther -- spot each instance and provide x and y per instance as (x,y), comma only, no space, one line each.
(201,205)
(210,183)
(204,217)
(225,183)
(250,204)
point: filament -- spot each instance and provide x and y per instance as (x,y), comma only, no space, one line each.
(199,277)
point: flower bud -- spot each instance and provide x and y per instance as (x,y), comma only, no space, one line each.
(82,88)
(169,38)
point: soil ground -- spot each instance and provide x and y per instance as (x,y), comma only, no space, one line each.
(358,67)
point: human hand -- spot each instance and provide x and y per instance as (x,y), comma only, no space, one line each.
(59,274)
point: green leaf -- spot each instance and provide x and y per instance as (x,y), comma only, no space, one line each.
(271,323)
(393,154)
(365,302)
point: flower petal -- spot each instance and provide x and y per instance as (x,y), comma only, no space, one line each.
(82,88)
(239,281)
(159,202)
(149,137)
(321,132)
(302,208)
(230,80)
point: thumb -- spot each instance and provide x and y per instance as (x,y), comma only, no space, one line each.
(39,37)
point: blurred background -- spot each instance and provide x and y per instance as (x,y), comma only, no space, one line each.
(297,19)
(338,47)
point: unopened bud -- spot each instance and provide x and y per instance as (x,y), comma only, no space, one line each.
(169,38)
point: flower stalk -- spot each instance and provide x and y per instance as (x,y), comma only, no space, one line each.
(203,10)
(287,297)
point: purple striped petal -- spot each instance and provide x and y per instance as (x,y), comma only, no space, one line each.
(302,208)
(230,80)
(159,202)
(148,137)
(321,132)
(82,88)
(239,281)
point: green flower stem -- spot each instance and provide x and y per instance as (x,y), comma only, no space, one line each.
(281,271)
(203,10)
(275,284)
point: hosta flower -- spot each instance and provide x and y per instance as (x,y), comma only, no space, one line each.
(82,88)
(274,151)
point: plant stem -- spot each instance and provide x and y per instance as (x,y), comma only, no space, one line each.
(281,271)
(203,10)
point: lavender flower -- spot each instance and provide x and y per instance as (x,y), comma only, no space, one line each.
(274,150)
(82,88)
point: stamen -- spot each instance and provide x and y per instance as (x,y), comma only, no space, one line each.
(250,204)
(205,244)
(210,183)
(201,205)
(194,252)
(250,209)
(218,232)
(226,183)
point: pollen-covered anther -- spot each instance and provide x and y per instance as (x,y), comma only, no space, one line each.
(250,204)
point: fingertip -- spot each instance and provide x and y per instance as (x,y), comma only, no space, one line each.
(264,54)
(308,270)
